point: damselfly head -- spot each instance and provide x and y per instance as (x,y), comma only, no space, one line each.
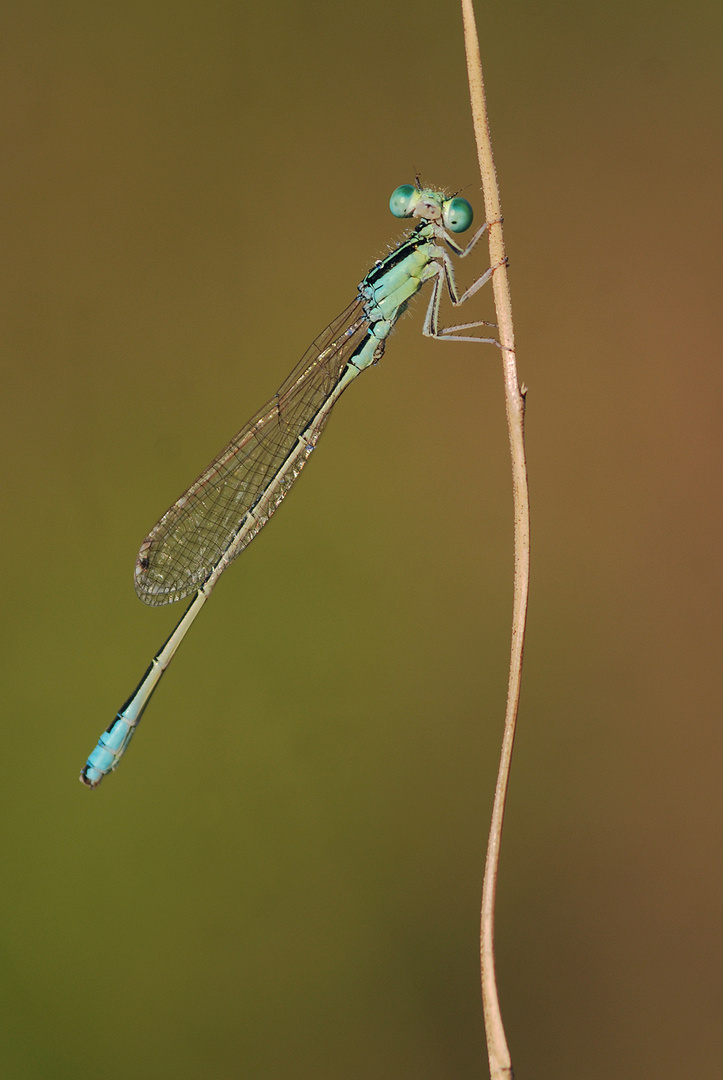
(408,201)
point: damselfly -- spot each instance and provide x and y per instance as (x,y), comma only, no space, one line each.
(204,531)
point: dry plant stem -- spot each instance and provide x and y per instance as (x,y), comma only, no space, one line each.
(497,1050)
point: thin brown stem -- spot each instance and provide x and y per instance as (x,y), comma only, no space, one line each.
(497,1050)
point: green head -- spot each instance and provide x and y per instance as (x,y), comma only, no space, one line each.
(408,201)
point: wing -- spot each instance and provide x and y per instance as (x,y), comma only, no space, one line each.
(215,520)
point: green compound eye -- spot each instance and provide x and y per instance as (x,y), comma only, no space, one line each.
(457,214)
(402,201)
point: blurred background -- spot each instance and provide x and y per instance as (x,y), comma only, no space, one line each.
(283,878)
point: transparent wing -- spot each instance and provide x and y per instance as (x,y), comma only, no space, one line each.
(186,545)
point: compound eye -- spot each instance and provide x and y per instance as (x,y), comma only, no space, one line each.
(457,214)
(402,201)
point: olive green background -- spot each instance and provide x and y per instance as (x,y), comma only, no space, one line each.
(283,878)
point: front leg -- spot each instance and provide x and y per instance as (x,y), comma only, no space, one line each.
(462,252)
(457,249)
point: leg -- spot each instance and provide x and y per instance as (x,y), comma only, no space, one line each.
(465,251)
(431,328)
(462,252)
